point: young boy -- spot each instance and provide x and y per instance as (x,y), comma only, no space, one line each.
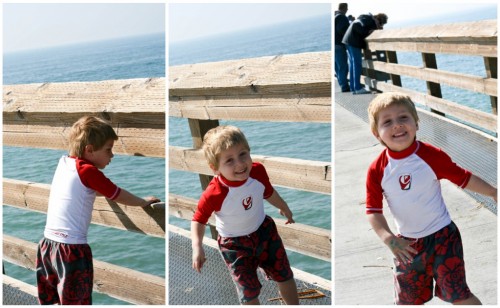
(407,174)
(64,259)
(247,237)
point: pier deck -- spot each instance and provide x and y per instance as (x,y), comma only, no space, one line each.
(363,264)
(214,285)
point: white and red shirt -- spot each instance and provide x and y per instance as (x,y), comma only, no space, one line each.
(409,180)
(238,206)
(71,199)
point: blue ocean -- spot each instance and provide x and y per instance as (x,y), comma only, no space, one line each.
(309,141)
(470,65)
(135,57)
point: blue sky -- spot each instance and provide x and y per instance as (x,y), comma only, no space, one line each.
(421,12)
(189,21)
(31,26)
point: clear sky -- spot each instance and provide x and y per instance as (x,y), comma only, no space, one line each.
(189,21)
(32,26)
(415,12)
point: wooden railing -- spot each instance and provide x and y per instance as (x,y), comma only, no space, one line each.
(468,39)
(40,115)
(286,88)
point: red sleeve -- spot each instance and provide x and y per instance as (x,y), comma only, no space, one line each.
(210,201)
(374,190)
(259,173)
(443,166)
(94,179)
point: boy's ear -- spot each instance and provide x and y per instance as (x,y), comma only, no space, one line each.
(376,134)
(89,148)
(213,168)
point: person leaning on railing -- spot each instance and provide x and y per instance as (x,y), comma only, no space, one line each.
(354,39)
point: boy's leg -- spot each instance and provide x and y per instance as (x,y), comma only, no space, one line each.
(413,282)
(449,267)
(75,261)
(238,254)
(46,278)
(288,291)
(473,300)
(274,261)
(254,301)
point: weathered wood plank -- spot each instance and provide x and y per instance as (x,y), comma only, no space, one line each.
(109,96)
(475,32)
(305,73)
(295,173)
(473,116)
(486,50)
(119,282)
(478,84)
(286,108)
(133,145)
(35,196)
(301,238)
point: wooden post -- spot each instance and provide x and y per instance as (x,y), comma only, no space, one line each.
(491,72)
(198,129)
(369,72)
(392,58)
(434,89)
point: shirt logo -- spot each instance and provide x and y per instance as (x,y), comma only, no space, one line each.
(405,181)
(247,203)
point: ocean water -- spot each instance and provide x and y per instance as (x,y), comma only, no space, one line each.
(136,57)
(310,141)
(470,65)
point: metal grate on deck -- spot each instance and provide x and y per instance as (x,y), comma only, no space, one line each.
(16,292)
(214,285)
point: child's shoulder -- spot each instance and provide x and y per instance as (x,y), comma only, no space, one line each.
(214,188)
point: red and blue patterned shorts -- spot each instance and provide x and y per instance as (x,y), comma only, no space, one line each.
(64,273)
(262,248)
(439,258)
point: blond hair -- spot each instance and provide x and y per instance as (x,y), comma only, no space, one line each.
(89,130)
(219,139)
(388,99)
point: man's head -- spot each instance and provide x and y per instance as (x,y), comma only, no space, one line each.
(343,7)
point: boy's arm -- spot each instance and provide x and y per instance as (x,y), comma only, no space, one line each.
(399,247)
(476,184)
(132,200)
(197,233)
(279,203)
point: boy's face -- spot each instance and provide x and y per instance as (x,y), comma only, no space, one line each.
(235,163)
(102,157)
(396,127)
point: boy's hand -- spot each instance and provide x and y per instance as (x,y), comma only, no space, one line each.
(150,200)
(401,249)
(198,259)
(288,214)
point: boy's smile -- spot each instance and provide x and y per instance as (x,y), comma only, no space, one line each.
(235,163)
(396,127)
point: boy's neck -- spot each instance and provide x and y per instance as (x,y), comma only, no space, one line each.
(231,183)
(403,153)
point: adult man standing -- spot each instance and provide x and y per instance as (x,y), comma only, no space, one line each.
(354,39)
(341,67)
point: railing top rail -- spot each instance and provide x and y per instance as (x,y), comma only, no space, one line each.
(476,32)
